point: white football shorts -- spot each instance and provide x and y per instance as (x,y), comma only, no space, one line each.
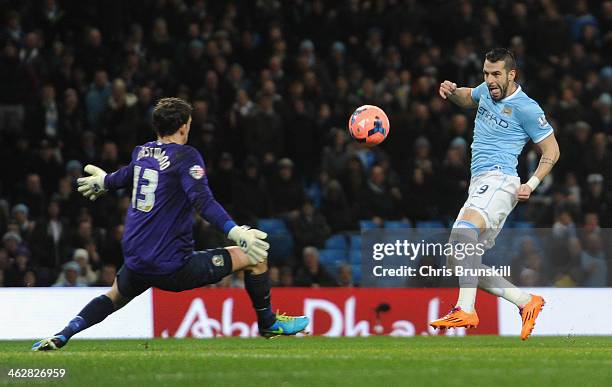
(493,196)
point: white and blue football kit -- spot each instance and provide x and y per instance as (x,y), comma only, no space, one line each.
(501,130)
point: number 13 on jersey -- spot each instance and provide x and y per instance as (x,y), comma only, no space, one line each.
(143,191)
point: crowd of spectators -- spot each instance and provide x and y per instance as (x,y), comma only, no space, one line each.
(272,84)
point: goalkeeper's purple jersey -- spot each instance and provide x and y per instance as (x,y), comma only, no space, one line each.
(168,184)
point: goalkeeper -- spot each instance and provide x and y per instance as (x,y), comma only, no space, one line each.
(169,183)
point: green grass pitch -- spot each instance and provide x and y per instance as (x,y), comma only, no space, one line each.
(320,361)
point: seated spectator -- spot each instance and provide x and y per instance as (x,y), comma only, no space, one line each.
(29,279)
(71,122)
(529,277)
(564,258)
(335,155)
(111,250)
(42,116)
(74,170)
(274,274)
(33,196)
(454,179)
(593,262)
(109,157)
(85,233)
(13,244)
(596,199)
(223,179)
(377,199)
(353,178)
(286,277)
(335,207)
(49,238)
(47,164)
(286,191)
(16,272)
(310,228)
(311,273)
(345,276)
(419,197)
(26,226)
(69,276)
(121,116)
(96,98)
(564,226)
(94,257)
(106,275)
(251,196)
(4,260)
(265,132)
(86,275)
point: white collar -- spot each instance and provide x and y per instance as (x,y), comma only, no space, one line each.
(518,90)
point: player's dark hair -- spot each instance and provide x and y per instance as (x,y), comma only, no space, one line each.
(169,114)
(497,54)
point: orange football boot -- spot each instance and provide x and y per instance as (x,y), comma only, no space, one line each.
(529,312)
(456,318)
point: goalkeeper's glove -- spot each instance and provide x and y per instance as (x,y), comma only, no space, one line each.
(252,242)
(92,187)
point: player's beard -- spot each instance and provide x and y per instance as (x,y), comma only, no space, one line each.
(498,92)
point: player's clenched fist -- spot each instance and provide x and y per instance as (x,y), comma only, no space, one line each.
(524,192)
(252,242)
(447,88)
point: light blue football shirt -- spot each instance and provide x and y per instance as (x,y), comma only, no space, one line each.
(501,130)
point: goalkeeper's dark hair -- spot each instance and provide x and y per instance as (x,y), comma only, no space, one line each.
(169,114)
(497,54)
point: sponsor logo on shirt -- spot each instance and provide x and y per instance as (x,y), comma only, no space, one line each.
(490,118)
(542,121)
(196,172)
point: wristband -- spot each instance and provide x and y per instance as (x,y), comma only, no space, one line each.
(533,182)
(228,226)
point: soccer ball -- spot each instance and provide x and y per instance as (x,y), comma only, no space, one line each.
(369,125)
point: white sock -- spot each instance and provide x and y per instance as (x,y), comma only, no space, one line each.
(465,232)
(501,287)
(516,296)
(467,299)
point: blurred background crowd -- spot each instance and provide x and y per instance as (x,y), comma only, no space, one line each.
(273,84)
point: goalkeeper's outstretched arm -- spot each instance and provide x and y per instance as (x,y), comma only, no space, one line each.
(96,185)
(195,185)
(122,177)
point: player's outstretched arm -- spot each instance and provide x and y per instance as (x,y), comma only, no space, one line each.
(549,148)
(460,96)
(195,186)
(96,185)
(92,187)
(250,240)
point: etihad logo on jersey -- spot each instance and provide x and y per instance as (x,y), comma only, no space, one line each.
(491,118)
(157,153)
